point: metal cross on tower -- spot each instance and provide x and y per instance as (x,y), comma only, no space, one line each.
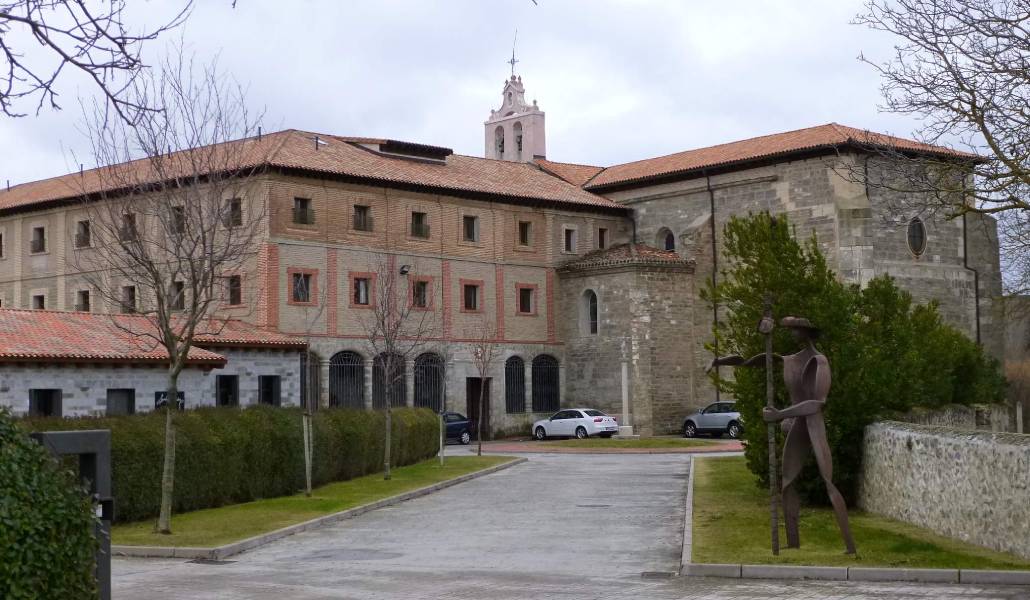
(513,61)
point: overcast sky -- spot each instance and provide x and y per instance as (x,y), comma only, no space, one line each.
(620,80)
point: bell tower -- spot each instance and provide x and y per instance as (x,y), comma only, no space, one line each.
(515,132)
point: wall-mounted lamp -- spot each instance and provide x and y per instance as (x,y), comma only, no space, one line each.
(405,269)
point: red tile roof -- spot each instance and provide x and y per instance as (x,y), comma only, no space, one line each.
(571,172)
(627,254)
(822,137)
(338,156)
(78,337)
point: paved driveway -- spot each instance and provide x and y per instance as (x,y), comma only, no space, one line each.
(559,526)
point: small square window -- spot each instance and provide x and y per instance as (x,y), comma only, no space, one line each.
(233,216)
(39,302)
(178,293)
(570,241)
(471,297)
(301,285)
(269,390)
(470,228)
(127,232)
(361,291)
(44,403)
(38,242)
(419,225)
(83,234)
(363,218)
(129,299)
(526,300)
(121,401)
(602,238)
(234,283)
(420,294)
(178,224)
(82,301)
(525,233)
(303,213)
(227,390)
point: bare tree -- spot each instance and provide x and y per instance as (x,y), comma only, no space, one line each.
(396,328)
(169,229)
(960,66)
(484,351)
(77,35)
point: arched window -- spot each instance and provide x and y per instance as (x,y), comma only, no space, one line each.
(429,374)
(499,141)
(546,396)
(588,313)
(517,128)
(665,240)
(916,236)
(347,380)
(389,383)
(309,380)
(515,385)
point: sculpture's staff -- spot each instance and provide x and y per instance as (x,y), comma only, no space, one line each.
(765,327)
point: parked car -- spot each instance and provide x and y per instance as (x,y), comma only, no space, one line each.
(717,418)
(458,427)
(579,422)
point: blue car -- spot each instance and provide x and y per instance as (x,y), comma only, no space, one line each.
(458,427)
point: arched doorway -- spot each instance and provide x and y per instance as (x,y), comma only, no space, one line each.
(429,374)
(389,381)
(546,396)
(515,385)
(347,380)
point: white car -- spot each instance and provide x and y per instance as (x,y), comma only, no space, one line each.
(576,422)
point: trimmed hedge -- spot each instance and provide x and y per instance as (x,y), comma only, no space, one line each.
(227,455)
(46,523)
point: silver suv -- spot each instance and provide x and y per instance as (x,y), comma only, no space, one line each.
(717,418)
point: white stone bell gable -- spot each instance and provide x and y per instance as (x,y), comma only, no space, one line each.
(515,131)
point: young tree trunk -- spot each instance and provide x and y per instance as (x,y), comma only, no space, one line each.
(389,432)
(164,519)
(306,422)
(479,417)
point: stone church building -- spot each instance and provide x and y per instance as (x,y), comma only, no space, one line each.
(574,269)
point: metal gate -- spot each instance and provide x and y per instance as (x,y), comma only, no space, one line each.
(310,363)
(390,386)
(347,380)
(515,385)
(429,380)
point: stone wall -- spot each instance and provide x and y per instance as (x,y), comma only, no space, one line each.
(983,417)
(971,486)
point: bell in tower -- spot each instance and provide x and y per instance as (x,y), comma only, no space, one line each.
(516,131)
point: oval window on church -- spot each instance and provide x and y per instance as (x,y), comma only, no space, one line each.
(916,236)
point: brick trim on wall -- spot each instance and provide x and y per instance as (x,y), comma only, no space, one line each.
(312,293)
(445,290)
(499,296)
(271,277)
(332,281)
(550,305)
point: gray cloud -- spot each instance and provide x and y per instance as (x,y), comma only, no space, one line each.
(619,80)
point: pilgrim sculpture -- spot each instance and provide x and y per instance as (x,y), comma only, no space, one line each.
(807,376)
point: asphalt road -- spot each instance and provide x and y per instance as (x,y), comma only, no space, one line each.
(559,526)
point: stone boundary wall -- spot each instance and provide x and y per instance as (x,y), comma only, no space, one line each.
(969,485)
(985,417)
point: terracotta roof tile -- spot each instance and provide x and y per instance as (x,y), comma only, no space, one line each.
(627,254)
(342,156)
(56,336)
(826,136)
(571,172)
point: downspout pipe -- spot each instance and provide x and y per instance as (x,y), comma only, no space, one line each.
(715,267)
(976,274)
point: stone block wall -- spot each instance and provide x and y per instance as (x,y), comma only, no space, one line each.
(983,417)
(971,486)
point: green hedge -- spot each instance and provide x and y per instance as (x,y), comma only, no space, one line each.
(228,455)
(46,523)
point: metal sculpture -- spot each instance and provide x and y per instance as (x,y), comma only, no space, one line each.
(807,376)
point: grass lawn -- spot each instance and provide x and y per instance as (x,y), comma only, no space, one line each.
(731,525)
(217,526)
(654,442)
